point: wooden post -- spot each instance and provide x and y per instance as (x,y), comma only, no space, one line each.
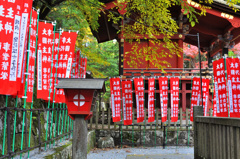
(109,118)
(96,124)
(103,116)
(181,117)
(79,148)
(157,118)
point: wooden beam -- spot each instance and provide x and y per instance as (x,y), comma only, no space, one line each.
(208,30)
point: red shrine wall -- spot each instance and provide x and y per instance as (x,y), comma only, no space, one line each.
(143,62)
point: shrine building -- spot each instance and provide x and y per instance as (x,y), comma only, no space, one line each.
(218,31)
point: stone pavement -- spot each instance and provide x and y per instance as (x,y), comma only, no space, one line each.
(170,152)
(161,156)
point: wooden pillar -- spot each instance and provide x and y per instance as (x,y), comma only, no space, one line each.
(180,59)
(224,51)
(79,145)
(121,50)
(210,60)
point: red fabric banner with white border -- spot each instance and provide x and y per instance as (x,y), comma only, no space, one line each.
(23,46)
(73,66)
(54,69)
(65,60)
(151,99)
(163,87)
(77,71)
(174,85)
(115,86)
(220,87)
(44,58)
(195,97)
(84,67)
(127,102)
(233,79)
(214,105)
(205,91)
(10,21)
(32,57)
(139,92)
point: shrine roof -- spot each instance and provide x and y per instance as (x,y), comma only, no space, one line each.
(219,21)
(81,83)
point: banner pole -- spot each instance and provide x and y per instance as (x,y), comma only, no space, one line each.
(212,97)
(155,105)
(59,118)
(51,85)
(65,120)
(62,120)
(132,118)
(55,126)
(30,124)
(14,127)
(225,67)
(72,127)
(190,112)
(68,124)
(177,137)
(26,85)
(4,128)
(145,116)
(191,96)
(179,92)
(200,65)
(54,82)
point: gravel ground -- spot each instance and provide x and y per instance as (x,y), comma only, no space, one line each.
(141,153)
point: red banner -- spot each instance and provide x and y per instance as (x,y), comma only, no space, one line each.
(233,72)
(139,92)
(205,91)
(115,98)
(32,57)
(77,71)
(163,88)
(23,44)
(127,102)
(214,105)
(55,68)
(73,66)
(65,60)
(151,99)
(45,44)
(85,67)
(81,68)
(174,82)
(220,87)
(195,97)
(10,20)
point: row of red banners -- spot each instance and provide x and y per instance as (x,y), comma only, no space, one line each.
(19,25)
(226,97)
(227,87)
(127,100)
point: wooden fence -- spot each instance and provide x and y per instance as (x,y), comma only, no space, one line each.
(216,138)
(103,120)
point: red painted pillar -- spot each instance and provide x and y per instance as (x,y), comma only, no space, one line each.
(180,59)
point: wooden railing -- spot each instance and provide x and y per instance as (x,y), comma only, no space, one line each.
(103,120)
(184,72)
(216,138)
